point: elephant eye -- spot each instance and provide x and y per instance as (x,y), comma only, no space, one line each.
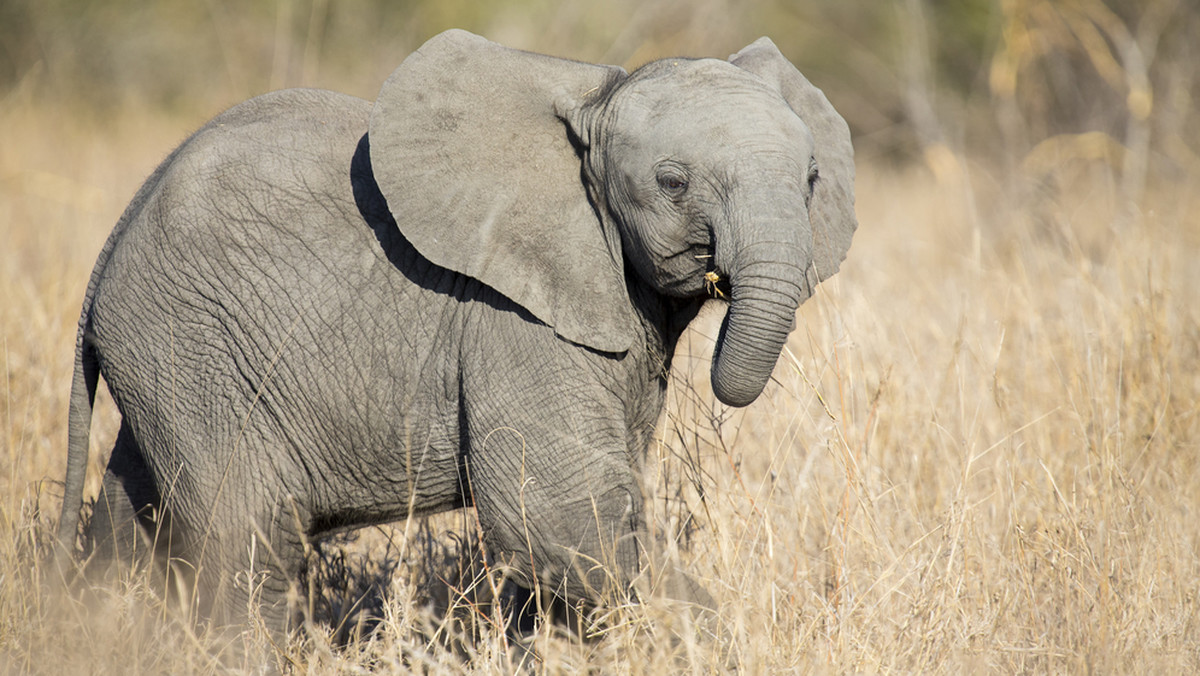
(673,185)
(813,176)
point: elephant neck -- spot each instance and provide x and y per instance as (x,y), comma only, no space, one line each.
(663,320)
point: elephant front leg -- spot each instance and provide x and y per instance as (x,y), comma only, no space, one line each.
(248,560)
(563,517)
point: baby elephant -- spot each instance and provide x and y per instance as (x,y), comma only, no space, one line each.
(321,313)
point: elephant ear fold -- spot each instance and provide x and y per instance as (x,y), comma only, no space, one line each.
(832,209)
(472,148)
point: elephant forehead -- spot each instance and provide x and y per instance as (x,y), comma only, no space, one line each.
(704,105)
(714,133)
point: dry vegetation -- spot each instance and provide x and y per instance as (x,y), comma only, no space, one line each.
(982,450)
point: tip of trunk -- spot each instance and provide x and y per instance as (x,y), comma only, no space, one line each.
(737,379)
(737,398)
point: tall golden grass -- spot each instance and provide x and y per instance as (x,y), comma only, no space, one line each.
(980,450)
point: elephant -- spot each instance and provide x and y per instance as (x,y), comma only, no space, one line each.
(321,313)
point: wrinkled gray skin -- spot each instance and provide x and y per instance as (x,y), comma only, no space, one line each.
(320,314)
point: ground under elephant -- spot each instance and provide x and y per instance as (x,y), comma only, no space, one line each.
(321,313)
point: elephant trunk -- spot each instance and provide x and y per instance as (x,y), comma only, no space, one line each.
(767,284)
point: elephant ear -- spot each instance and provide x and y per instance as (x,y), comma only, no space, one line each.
(470,146)
(832,209)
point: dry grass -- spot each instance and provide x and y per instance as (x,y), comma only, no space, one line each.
(981,451)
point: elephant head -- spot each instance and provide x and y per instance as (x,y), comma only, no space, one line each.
(544,178)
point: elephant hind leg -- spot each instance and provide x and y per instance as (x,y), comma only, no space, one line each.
(127,521)
(130,531)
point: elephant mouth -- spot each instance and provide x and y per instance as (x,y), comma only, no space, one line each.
(691,271)
(701,253)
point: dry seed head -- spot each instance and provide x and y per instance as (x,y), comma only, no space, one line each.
(711,278)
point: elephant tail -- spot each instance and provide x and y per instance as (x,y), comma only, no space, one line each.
(83,396)
(87,371)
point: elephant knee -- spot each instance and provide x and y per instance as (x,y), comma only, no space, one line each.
(616,516)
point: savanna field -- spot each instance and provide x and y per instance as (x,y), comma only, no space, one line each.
(980,451)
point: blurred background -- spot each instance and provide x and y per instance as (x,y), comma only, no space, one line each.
(981,451)
(1031,81)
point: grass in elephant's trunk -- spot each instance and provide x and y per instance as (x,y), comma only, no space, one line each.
(979,451)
